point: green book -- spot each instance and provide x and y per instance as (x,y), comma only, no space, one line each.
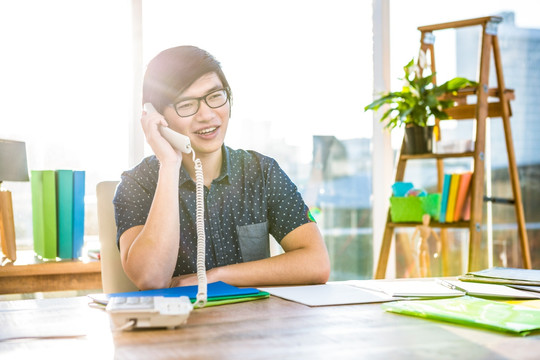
(64,189)
(44,213)
(49,215)
(36,183)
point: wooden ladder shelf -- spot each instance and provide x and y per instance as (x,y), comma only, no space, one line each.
(479,112)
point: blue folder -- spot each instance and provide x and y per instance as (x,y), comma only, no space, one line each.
(217,289)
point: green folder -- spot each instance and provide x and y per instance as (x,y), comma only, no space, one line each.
(471,311)
(223,300)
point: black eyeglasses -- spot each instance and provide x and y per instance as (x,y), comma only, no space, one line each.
(214,100)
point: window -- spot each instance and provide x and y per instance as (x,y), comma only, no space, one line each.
(68,88)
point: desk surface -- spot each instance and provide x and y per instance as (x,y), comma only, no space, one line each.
(264,329)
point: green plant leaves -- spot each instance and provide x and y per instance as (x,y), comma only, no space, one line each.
(419,99)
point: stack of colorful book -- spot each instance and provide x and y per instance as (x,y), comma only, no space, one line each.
(58,213)
(456,197)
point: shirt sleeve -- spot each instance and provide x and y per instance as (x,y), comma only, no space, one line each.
(133,197)
(286,207)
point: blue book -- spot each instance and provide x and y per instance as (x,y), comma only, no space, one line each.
(64,191)
(444,196)
(78,213)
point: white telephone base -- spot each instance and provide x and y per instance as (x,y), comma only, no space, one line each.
(148,311)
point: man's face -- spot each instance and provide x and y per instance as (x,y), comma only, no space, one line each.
(207,127)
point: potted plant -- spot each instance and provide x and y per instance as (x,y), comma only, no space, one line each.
(418,102)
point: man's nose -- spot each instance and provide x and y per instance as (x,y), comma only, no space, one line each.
(204,111)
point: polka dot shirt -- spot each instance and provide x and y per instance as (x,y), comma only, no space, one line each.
(252,198)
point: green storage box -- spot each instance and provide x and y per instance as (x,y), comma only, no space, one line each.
(412,208)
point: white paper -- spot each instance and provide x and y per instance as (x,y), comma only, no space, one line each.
(327,294)
(409,288)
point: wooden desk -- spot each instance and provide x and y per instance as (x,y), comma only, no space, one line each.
(31,275)
(264,329)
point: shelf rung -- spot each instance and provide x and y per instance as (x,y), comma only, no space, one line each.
(435,224)
(461,112)
(461,23)
(460,94)
(436,156)
(499,200)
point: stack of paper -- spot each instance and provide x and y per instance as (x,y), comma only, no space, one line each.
(437,288)
(501,275)
(493,290)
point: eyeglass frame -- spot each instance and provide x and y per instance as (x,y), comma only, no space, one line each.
(199,102)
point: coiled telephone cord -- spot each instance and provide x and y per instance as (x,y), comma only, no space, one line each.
(201,236)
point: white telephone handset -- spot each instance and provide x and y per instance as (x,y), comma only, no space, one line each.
(177,140)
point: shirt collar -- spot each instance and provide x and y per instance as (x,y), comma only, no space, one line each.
(224,173)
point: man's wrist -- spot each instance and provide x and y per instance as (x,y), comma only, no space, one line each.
(169,169)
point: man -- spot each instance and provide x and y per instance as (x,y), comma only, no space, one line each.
(247,195)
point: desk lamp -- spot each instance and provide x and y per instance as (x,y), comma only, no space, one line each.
(12,168)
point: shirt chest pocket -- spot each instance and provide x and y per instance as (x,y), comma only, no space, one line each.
(254,241)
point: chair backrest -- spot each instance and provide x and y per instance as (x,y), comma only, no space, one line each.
(113,277)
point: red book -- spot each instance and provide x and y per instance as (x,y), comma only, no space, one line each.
(466,214)
(463,189)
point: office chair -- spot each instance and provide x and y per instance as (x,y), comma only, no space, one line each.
(113,277)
